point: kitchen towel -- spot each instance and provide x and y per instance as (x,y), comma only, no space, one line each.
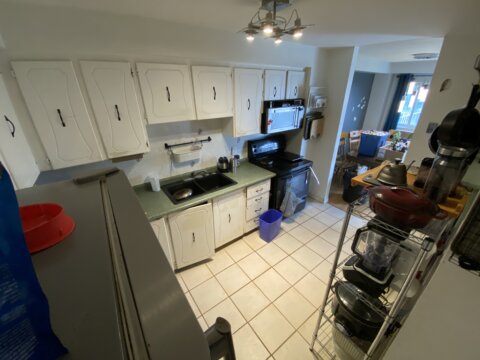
(25,330)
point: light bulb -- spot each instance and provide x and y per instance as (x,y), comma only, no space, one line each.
(267,29)
(250,37)
(298,34)
(278,41)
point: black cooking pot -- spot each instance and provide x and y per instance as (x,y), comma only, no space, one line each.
(354,315)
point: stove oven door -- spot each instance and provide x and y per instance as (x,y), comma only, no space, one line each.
(299,182)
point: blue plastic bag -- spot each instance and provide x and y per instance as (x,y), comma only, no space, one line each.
(25,330)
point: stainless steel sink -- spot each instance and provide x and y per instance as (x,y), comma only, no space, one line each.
(200,184)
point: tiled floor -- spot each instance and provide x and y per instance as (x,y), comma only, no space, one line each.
(270,292)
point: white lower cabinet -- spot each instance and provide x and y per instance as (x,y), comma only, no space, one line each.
(15,153)
(160,228)
(192,235)
(229,217)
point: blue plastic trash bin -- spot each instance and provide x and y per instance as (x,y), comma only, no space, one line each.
(370,143)
(270,222)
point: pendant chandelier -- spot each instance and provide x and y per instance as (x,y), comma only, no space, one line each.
(267,22)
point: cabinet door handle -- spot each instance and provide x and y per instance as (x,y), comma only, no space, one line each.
(214,93)
(61,118)
(274,91)
(259,199)
(259,190)
(12,130)
(229,218)
(118,113)
(248,104)
(168,94)
(295,91)
(258,210)
(193,237)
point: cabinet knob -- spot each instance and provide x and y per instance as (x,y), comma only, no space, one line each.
(12,130)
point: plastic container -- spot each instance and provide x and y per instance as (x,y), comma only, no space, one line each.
(370,143)
(270,222)
(45,225)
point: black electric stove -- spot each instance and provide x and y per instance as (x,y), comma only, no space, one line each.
(292,170)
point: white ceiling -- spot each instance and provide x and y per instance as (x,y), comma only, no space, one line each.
(337,22)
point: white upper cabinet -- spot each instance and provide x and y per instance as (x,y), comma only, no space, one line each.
(248,101)
(295,84)
(213,91)
(14,149)
(58,110)
(114,100)
(167,92)
(275,81)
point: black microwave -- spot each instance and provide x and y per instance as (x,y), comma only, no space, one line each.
(282,115)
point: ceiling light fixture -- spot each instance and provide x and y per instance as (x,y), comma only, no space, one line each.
(273,25)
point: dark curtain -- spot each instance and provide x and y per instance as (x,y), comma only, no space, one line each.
(393,114)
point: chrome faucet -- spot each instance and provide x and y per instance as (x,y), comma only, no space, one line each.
(194,174)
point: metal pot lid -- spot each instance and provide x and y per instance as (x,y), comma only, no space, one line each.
(352,298)
(182,193)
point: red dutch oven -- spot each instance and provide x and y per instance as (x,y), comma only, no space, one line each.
(403,207)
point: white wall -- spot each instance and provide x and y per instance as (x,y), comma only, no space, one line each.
(380,100)
(426,67)
(340,63)
(456,63)
(373,65)
(53,33)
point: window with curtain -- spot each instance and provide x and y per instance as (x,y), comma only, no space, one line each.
(411,104)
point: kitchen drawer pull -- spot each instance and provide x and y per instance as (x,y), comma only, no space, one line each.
(12,130)
(259,198)
(258,210)
(214,93)
(259,190)
(248,102)
(274,91)
(61,118)
(193,236)
(168,94)
(118,112)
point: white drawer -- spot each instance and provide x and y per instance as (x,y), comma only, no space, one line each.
(258,189)
(256,208)
(257,200)
(251,224)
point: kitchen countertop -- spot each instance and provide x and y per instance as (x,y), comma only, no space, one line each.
(157,204)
